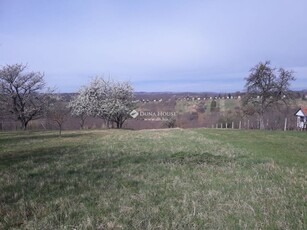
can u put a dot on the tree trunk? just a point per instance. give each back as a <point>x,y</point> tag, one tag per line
<point>261,122</point>
<point>82,123</point>
<point>24,124</point>
<point>60,129</point>
<point>108,123</point>
<point>119,123</point>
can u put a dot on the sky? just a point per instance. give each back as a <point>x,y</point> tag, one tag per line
<point>157,45</point>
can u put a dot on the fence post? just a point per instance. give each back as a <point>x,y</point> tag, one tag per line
<point>240,124</point>
<point>221,125</point>
<point>226,125</point>
<point>285,126</point>
<point>247,124</point>
<point>216,126</point>
<point>232,125</point>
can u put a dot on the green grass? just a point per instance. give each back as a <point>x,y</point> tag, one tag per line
<point>153,179</point>
<point>286,148</point>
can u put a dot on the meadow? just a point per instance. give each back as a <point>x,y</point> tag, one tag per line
<point>153,179</point>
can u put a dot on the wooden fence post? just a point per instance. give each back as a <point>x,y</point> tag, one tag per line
<point>240,124</point>
<point>285,126</point>
<point>232,125</point>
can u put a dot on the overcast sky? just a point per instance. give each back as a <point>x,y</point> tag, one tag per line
<point>207,45</point>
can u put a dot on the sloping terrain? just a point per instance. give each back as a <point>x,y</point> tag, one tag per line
<point>153,179</point>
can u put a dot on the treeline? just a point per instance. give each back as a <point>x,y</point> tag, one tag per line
<point>24,97</point>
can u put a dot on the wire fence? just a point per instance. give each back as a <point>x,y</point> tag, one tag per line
<point>32,125</point>
<point>273,124</point>
<point>286,124</point>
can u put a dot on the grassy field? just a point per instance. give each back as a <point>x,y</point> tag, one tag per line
<point>153,179</point>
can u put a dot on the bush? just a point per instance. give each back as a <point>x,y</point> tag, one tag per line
<point>170,122</point>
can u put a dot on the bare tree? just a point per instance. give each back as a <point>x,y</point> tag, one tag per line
<point>264,89</point>
<point>58,111</point>
<point>21,93</point>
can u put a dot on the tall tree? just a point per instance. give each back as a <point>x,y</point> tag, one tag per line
<point>21,93</point>
<point>265,88</point>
